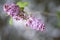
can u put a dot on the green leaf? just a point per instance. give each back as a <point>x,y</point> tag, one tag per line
<point>58,14</point>
<point>58,18</point>
<point>22,8</point>
<point>10,21</point>
<point>58,24</point>
<point>22,4</point>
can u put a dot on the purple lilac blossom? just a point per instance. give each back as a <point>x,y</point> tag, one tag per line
<point>11,9</point>
<point>35,23</point>
<point>14,11</point>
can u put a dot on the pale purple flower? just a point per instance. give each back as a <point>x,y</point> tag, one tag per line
<point>35,23</point>
<point>14,11</point>
<point>11,9</point>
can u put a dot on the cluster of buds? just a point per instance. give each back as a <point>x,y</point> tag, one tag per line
<point>15,12</point>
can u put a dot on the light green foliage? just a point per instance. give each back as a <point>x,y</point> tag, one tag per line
<point>10,21</point>
<point>58,17</point>
<point>22,4</point>
<point>58,14</point>
<point>58,24</point>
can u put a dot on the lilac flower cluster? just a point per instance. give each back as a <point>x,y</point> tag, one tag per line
<point>35,23</point>
<point>11,9</point>
<point>14,11</point>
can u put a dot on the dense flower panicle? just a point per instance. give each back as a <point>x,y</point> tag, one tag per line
<point>14,11</point>
<point>35,23</point>
<point>11,9</point>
